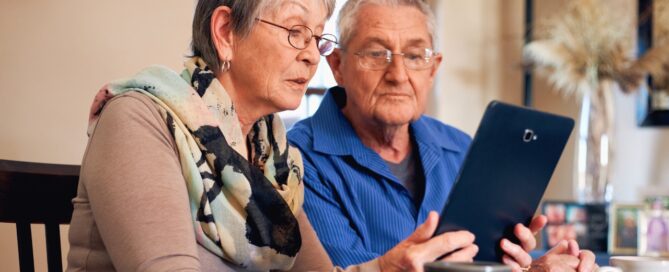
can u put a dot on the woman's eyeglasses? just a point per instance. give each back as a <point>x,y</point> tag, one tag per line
<point>299,37</point>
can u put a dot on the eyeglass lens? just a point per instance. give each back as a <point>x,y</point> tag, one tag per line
<point>300,36</point>
<point>415,59</point>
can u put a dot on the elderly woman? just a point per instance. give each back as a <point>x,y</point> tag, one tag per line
<point>192,171</point>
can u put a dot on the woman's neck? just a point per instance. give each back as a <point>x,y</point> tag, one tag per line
<point>247,110</point>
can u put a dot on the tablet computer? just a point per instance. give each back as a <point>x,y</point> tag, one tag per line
<point>504,175</point>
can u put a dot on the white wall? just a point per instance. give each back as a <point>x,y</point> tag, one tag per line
<point>480,41</point>
<point>54,56</point>
<point>641,162</point>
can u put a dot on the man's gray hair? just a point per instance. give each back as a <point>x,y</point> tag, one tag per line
<point>348,16</point>
<point>244,13</point>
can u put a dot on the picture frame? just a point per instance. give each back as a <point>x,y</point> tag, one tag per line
<point>654,227</point>
<point>556,228</point>
<point>585,223</point>
<point>624,228</point>
<point>653,234</point>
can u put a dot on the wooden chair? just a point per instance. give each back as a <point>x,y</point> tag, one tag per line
<point>37,193</point>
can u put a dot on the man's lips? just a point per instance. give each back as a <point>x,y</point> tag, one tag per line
<point>396,95</point>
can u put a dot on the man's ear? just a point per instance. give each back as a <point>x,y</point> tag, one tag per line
<point>435,66</point>
<point>221,32</point>
<point>334,60</point>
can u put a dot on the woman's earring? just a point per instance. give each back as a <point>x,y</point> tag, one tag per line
<point>225,65</point>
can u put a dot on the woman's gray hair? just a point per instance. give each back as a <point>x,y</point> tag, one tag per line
<point>348,16</point>
<point>244,13</point>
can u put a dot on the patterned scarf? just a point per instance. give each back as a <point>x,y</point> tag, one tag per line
<point>242,211</point>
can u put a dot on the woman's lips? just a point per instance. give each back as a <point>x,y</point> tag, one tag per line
<point>299,82</point>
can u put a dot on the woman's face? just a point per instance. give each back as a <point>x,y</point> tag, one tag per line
<point>267,72</point>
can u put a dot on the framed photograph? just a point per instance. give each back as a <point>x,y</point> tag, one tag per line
<point>624,228</point>
<point>654,228</point>
<point>654,233</point>
<point>557,228</point>
<point>585,223</point>
<point>556,212</point>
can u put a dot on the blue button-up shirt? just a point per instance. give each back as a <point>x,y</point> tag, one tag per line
<point>358,208</point>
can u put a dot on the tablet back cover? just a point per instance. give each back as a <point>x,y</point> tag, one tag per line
<point>504,175</point>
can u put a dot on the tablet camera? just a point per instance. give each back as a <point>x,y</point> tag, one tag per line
<point>529,136</point>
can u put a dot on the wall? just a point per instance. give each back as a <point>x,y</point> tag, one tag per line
<point>480,41</point>
<point>54,56</point>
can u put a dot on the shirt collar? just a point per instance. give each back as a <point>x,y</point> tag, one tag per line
<point>425,131</point>
<point>333,133</point>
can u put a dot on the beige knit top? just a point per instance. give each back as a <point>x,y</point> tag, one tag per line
<point>131,212</point>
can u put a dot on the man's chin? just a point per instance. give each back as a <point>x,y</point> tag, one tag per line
<point>393,120</point>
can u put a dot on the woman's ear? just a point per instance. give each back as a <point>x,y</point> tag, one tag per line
<point>221,32</point>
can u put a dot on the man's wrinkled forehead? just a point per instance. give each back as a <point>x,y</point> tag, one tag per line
<point>382,24</point>
<point>409,39</point>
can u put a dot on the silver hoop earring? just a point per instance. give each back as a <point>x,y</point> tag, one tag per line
<point>225,65</point>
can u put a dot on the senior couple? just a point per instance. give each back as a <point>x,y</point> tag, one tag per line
<point>193,171</point>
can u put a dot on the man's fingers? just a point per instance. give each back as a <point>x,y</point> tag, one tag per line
<point>525,236</point>
<point>574,249</point>
<point>538,223</point>
<point>561,260</point>
<point>514,265</point>
<point>425,231</point>
<point>560,248</point>
<point>465,254</point>
<point>587,263</point>
<point>446,243</point>
<point>570,260</point>
<point>563,252</point>
<point>515,252</point>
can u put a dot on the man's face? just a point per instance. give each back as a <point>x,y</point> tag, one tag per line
<point>394,95</point>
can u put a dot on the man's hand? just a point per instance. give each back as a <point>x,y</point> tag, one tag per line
<point>420,248</point>
<point>565,257</point>
<point>518,256</point>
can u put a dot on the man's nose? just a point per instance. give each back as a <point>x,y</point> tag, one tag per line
<point>396,70</point>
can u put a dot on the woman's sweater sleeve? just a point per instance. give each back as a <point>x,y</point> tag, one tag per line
<point>137,193</point>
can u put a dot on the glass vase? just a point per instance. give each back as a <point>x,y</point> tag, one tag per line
<point>594,146</point>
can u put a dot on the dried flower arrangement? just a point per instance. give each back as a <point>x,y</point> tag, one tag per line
<point>656,61</point>
<point>583,46</point>
<point>588,44</point>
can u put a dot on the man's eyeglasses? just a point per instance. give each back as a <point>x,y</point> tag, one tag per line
<point>299,37</point>
<point>414,59</point>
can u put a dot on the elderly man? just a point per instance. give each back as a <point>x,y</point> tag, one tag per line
<point>375,166</point>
